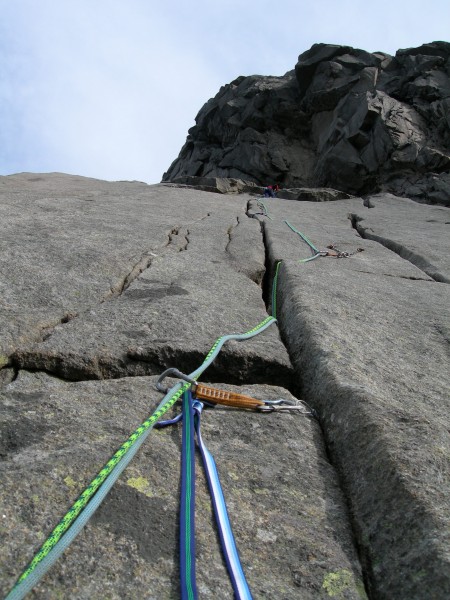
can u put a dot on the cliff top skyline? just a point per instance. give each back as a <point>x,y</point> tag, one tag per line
<point>110,91</point>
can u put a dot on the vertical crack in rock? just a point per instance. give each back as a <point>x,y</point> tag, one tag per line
<point>143,263</point>
<point>245,249</point>
<point>267,282</point>
<point>186,237</point>
<point>174,239</point>
<point>415,259</point>
<point>366,431</point>
<point>230,230</point>
<point>269,263</point>
<point>297,389</point>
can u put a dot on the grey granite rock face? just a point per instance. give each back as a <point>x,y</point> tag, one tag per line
<point>419,234</point>
<point>345,119</point>
<point>134,282</point>
<point>369,338</point>
<point>283,496</point>
<point>117,281</point>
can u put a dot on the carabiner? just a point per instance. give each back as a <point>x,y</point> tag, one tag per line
<point>283,405</point>
<point>175,373</point>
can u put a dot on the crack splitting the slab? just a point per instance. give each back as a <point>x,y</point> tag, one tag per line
<point>145,262</point>
<point>415,259</point>
<point>230,230</point>
<point>142,264</point>
<point>298,392</point>
<point>267,280</point>
<point>133,363</point>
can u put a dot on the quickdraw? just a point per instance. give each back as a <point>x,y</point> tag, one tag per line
<point>333,251</point>
<point>190,416</point>
<point>91,498</point>
<point>214,396</point>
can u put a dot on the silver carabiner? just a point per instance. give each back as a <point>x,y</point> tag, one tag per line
<point>284,405</point>
<point>175,373</point>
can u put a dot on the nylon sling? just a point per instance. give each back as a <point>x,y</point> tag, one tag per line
<point>191,417</point>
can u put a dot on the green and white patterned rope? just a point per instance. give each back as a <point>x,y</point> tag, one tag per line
<point>89,500</point>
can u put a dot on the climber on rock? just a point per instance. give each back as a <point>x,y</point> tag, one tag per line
<point>271,190</point>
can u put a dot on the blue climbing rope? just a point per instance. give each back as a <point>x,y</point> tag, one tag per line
<point>187,503</point>
<point>191,413</point>
<point>228,544</point>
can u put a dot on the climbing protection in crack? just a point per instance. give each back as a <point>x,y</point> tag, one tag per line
<point>91,498</point>
<point>79,514</point>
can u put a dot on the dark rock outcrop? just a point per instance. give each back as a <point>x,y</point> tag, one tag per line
<point>345,119</point>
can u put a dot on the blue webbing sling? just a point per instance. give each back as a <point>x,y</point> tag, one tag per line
<point>191,423</point>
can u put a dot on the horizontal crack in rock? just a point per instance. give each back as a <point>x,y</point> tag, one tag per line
<point>227,368</point>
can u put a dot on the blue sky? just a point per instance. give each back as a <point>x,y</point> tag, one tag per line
<point>108,88</point>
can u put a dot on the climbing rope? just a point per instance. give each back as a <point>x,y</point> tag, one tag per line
<point>190,416</point>
<point>263,209</point>
<point>274,290</point>
<point>187,508</point>
<point>228,544</point>
<point>331,250</point>
<point>213,396</point>
<point>315,251</point>
<point>90,499</point>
